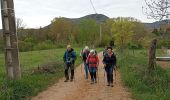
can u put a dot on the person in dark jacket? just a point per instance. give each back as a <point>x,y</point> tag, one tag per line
<point>85,54</point>
<point>69,60</point>
<point>109,62</point>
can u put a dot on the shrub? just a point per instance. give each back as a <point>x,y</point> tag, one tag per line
<point>44,45</point>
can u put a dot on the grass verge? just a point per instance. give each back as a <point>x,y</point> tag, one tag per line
<point>142,84</point>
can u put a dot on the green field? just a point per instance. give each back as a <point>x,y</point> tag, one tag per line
<point>31,84</point>
<point>142,84</point>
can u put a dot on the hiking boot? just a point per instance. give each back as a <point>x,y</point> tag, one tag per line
<point>111,85</point>
<point>108,84</point>
<point>71,80</point>
<point>95,81</point>
<point>92,82</point>
<point>87,77</point>
<point>66,80</point>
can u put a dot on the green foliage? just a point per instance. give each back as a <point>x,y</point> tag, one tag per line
<point>134,46</point>
<point>60,31</point>
<point>144,86</point>
<point>48,44</point>
<point>156,32</point>
<point>163,42</point>
<point>25,46</point>
<point>88,32</point>
<point>122,32</point>
<point>140,36</point>
<point>15,90</point>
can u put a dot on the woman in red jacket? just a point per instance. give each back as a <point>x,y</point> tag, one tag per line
<point>93,63</point>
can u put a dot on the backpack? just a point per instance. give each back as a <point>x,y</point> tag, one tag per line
<point>92,60</point>
<point>104,52</point>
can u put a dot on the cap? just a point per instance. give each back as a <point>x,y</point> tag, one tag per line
<point>92,51</point>
<point>86,47</point>
<point>68,46</point>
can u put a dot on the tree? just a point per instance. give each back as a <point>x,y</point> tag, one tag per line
<point>122,32</point>
<point>157,9</point>
<point>60,30</point>
<point>140,34</point>
<point>88,32</point>
<point>107,38</point>
<point>20,24</point>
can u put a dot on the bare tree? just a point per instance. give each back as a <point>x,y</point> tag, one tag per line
<point>20,24</point>
<point>157,9</point>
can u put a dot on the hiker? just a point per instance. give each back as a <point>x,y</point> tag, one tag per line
<point>105,51</point>
<point>69,60</point>
<point>85,54</point>
<point>93,63</point>
<point>109,62</point>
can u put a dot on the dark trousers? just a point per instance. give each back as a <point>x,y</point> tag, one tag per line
<point>86,68</point>
<point>67,67</point>
<point>92,71</point>
<point>109,72</point>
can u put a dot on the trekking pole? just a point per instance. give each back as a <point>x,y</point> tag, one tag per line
<point>81,67</point>
<point>104,75</point>
<point>115,73</point>
<point>98,75</point>
<point>74,72</point>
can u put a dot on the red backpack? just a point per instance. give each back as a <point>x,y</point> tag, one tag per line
<point>92,60</point>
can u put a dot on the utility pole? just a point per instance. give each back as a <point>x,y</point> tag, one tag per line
<point>10,40</point>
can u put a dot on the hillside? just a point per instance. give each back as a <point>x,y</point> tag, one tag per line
<point>97,17</point>
<point>156,24</point>
<point>101,18</point>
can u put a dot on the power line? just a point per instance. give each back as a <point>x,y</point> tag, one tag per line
<point>93,7</point>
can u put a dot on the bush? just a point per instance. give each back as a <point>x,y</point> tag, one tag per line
<point>163,42</point>
<point>15,90</point>
<point>25,46</point>
<point>134,46</point>
<point>44,45</point>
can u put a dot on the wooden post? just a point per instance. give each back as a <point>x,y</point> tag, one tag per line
<point>152,58</point>
<point>10,40</point>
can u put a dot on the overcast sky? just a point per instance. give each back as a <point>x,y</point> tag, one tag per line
<point>36,13</point>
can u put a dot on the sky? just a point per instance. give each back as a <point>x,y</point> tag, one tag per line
<point>39,13</point>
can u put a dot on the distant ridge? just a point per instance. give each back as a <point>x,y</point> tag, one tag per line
<point>97,17</point>
<point>102,18</point>
<point>156,24</point>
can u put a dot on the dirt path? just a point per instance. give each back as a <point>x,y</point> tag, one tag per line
<point>81,89</point>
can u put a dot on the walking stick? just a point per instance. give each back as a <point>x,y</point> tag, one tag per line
<point>98,75</point>
<point>81,67</point>
<point>104,75</point>
<point>115,73</point>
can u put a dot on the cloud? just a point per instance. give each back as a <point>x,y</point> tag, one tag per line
<point>40,13</point>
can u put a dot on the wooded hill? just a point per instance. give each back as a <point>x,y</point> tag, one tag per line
<point>86,31</point>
